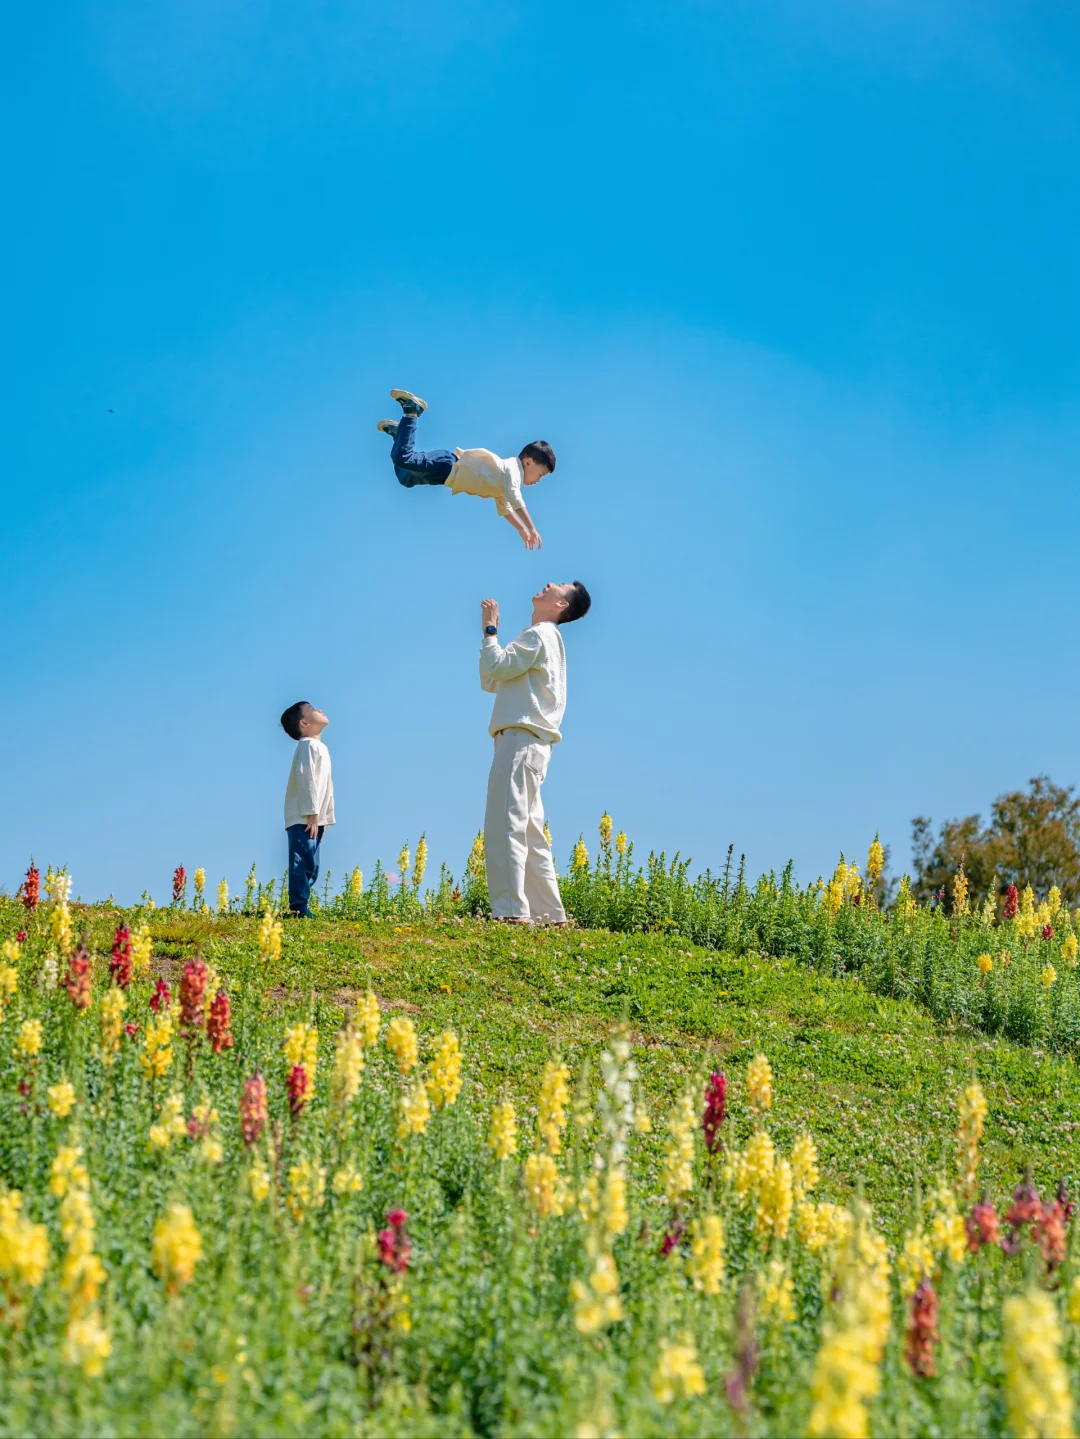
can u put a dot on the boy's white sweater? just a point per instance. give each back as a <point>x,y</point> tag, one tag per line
<point>311,786</point>
<point>479,472</point>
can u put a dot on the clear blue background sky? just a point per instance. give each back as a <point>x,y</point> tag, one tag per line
<point>792,289</point>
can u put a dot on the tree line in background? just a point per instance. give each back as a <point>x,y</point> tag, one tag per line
<point>1032,839</point>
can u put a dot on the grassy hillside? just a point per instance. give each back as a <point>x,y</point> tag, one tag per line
<point>242,1288</point>
<point>875,1079</point>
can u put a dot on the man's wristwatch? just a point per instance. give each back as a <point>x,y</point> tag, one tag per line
<point>491,629</point>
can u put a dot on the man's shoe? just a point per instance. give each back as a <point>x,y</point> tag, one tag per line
<point>388,427</point>
<point>410,404</point>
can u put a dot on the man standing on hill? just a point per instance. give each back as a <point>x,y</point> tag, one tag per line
<point>528,680</point>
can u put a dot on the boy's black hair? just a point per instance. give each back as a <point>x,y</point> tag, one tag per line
<point>290,720</point>
<point>580,600</point>
<point>541,452</point>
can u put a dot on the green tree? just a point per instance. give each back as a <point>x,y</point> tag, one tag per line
<point>1033,838</point>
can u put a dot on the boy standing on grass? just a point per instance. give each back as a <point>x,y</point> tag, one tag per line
<point>468,472</point>
<point>309,800</point>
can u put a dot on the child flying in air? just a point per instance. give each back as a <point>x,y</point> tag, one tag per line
<point>468,472</point>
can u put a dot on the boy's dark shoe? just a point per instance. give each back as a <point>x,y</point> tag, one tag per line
<point>388,427</point>
<point>410,404</point>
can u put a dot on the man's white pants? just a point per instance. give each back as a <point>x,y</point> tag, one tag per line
<point>520,873</point>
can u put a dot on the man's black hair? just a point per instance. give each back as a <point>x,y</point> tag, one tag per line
<point>579,602</point>
<point>290,720</point>
<point>541,452</point>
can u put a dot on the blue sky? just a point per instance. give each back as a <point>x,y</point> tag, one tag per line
<point>791,289</point>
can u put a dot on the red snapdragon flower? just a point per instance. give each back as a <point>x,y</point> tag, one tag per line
<point>1048,931</point>
<point>1026,1206</point>
<point>179,879</point>
<point>120,963</point>
<point>217,1023</point>
<point>715,1110</point>
<point>31,888</point>
<point>1051,1233</point>
<point>395,1247</point>
<point>982,1226</point>
<point>299,1087</point>
<point>20,938</point>
<point>1047,1223</point>
<point>674,1237</point>
<point>253,1108</point>
<point>922,1332</point>
<point>193,994</point>
<point>77,982</point>
<point>1012,902</point>
<point>161,997</point>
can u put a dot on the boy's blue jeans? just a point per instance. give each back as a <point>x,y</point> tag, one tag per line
<point>303,865</point>
<point>418,467</point>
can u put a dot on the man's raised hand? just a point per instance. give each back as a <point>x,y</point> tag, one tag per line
<point>489,613</point>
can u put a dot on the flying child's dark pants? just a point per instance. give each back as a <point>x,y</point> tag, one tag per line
<point>418,467</point>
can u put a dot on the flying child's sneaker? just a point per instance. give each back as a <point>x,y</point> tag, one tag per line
<point>388,427</point>
<point>410,404</point>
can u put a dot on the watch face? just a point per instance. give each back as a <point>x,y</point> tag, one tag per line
<point>491,629</point>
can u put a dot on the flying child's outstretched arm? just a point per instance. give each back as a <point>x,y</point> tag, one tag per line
<point>522,522</point>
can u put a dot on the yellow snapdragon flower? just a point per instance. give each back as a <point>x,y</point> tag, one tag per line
<point>502,1136</point>
<point>804,1164</point>
<point>706,1263</point>
<point>29,1038</point>
<point>414,1110</point>
<point>545,1188</point>
<point>444,1072</point>
<point>346,1180</point>
<point>678,1172</point>
<point>776,1293</point>
<point>61,1098</point>
<point>401,1041</point>
<point>368,1018</point>
<point>142,949</point>
<point>348,1067</point>
<point>307,1188</point>
<point>677,1370</point>
<point>301,1046</point>
<point>596,1301</point>
<point>554,1097</point>
<point>759,1083</point>
<point>176,1248</point>
<point>1037,1393</point>
<point>268,937</point>
<point>24,1246</point>
<point>156,1055</point>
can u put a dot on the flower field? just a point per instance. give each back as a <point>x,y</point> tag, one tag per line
<point>397,1170</point>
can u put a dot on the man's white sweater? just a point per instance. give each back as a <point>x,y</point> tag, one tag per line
<point>528,680</point>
